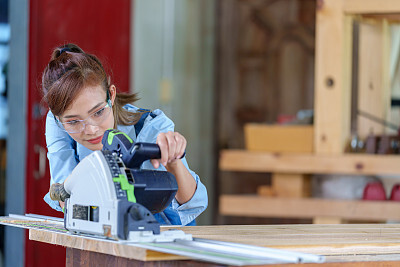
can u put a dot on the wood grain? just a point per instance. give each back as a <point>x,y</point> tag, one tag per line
<point>81,258</point>
<point>341,239</point>
<point>349,239</point>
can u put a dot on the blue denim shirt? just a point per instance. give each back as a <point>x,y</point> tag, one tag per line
<point>64,154</point>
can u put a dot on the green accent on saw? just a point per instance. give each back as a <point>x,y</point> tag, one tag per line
<point>125,185</point>
<point>209,253</point>
<point>111,135</point>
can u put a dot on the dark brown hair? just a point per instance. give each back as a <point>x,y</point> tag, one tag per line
<point>69,71</point>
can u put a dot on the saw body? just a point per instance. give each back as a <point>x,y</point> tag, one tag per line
<point>104,197</point>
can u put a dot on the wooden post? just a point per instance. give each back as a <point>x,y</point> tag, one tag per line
<point>332,78</point>
<point>373,73</point>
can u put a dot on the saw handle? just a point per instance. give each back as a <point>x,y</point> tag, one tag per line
<point>149,150</point>
<point>141,152</point>
<point>132,154</point>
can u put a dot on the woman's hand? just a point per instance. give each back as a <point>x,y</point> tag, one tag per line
<point>172,146</point>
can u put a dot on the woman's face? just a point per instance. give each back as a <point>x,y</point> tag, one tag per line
<point>88,106</point>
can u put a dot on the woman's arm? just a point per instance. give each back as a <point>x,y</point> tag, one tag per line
<point>61,153</point>
<point>191,199</point>
<point>173,146</point>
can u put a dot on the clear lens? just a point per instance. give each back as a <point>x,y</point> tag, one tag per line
<point>95,119</point>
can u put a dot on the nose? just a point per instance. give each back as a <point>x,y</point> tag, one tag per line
<point>90,129</point>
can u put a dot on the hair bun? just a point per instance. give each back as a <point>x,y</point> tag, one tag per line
<point>66,48</point>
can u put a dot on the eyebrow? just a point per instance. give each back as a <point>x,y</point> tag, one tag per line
<point>90,111</point>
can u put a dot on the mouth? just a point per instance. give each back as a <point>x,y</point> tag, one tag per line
<point>96,140</point>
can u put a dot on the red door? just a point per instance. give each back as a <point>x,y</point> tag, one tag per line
<point>101,27</point>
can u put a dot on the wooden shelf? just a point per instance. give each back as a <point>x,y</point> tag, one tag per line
<point>371,6</point>
<point>258,206</point>
<point>361,164</point>
<point>332,108</point>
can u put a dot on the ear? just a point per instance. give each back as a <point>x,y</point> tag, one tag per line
<point>113,93</point>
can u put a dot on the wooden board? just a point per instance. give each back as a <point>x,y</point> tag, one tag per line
<point>373,91</point>
<point>291,185</point>
<point>342,239</point>
<point>255,206</point>
<point>279,138</point>
<point>363,164</point>
<point>340,243</point>
<point>371,6</point>
<point>332,78</point>
<point>56,234</point>
<point>316,239</point>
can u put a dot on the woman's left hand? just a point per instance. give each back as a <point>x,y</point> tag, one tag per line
<point>172,146</point>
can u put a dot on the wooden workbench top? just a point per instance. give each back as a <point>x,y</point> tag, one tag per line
<point>340,243</point>
<point>343,245</point>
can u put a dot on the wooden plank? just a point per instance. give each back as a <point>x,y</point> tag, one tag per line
<point>392,17</point>
<point>266,190</point>
<point>98,245</point>
<point>353,239</point>
<point>291,185</point>
<point>364,243</point>
<point>255,206</point>
<point>319,239</point>
<point>371,6</point>
<point>84,258</point>
<point>363,164</point>
<point>332,78</point>
<point>279,138</point>
<point>327,220</point>
<point>81,258</point>
<point>373,92</point>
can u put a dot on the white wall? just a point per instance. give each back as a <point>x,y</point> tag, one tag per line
<point>173,69</point>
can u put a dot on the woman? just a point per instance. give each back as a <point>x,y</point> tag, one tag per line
<point>84,103</point>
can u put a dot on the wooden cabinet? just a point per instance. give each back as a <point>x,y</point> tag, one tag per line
<point>334,63</point>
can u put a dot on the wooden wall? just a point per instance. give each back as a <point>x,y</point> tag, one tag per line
<point>265,68</point>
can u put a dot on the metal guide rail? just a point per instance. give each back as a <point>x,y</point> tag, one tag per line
<point>199,249</point>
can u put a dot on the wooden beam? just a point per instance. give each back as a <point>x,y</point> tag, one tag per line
<point>392,17</point>
<point>371,6</point>
<point>255,206</point>
<point>359,164</point>
<point>373,95</point>
<point>332,78</point>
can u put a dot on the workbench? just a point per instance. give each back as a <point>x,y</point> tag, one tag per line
<point>344,245</point>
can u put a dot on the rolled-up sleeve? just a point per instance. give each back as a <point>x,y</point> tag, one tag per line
<point>190,210</point>
<point>61,153</point>
<point>196,205</point>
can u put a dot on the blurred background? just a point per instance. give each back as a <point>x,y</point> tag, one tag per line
<point>213,66</point>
